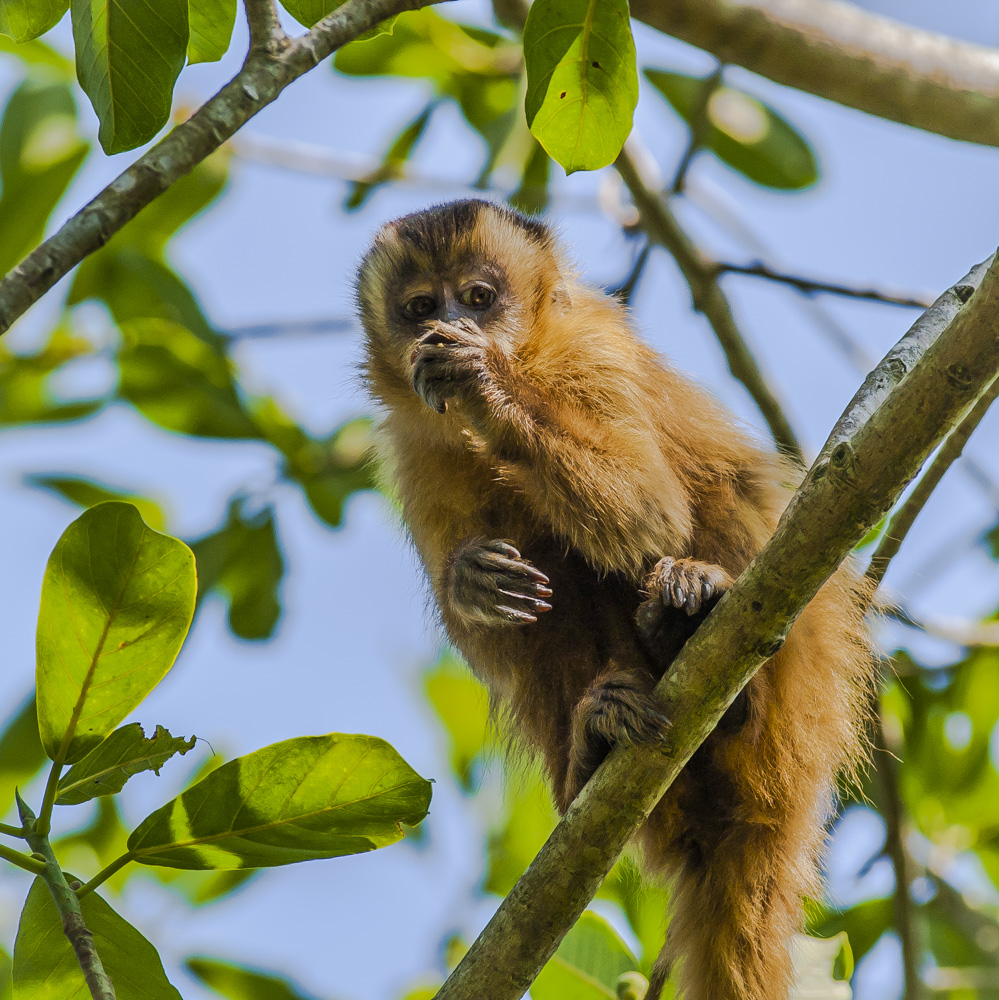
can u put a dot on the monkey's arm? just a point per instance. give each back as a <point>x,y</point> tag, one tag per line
<point>599,480</point>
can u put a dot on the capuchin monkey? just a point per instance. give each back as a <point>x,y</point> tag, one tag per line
<point>580,506</point>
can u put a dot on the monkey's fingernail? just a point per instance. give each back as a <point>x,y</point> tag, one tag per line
<point>441,407</point>
<point>707,590</point>
<point>542,606</point>
<point>543,591</point>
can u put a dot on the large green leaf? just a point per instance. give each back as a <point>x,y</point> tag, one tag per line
<point>125,752</point>
<point>21,753</point>
<point>237,982</point>
<point>23,20</point>
<point>128,56</point>
<point>177,380</point>
<point>87,493</point>
<point>117,601</point>
<point>243,560</point>
<point>211,24</point>
<point>40,154</point>
<point>588,963</point>
<point>582,83</point>
<point>305,798</point>
<point>743,131</point>
<point>45,967</point>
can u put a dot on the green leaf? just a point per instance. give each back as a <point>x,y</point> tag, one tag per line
<point>305,798</point>
<point>177,380</point>
<point>128,56</point>
<point>532,195</point>
<point>117,601</point>
<point>45,967</point>
<point>588,963</point>
<point>125,752</point>
<point>816,961</point>
<point>244,561</point>
<point>582,83</point>
<point>644,903</point>
<point>239,982</point>
<point>6,971</point>
<point>463,706</point>
<point>395,158</point>
<point>40,154</point>
<point>87,493</point>
<point>863,923</point>
<point>744,132</point>
<point>310,12</point>
<point>23,20</point>
<point>21,753</point>
<point>211,24</point>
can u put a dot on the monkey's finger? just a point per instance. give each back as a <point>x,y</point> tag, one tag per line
<point>707,590</point>
<point>515,567</point>
<point>534,603</point>
<point>513,615</point>
<point>503,548</point>
<point>693,603</point>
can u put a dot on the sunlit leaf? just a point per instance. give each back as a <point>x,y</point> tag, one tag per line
<point>463,707</point>
<point>6,971</point>
<point>87,493</point>
<point>743,131</point>
<point>582,83</point>
<point>23,20</point>
<point>239,982</point>
<point>816,962</point>
<point>180,382</point>
<point>21,753</point>
<point>587,964</point>
<point>243,560</point>
<point>211,23</point>
<point>45,967</point>
<point>128,56</point>
<point>125,752</point>
<point>40,154</point>
<point>117,601</point>
<point>323,797</point>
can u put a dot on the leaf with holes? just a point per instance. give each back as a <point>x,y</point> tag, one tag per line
<point>117,601</point>
<point>742,131</point>
<point>128,56</point>
<point>23,20</point>
<point>301,799</point>
<point>45,967</point>
<point>125,752</point>
<point>582,83</point>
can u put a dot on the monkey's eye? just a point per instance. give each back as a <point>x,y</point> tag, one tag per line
<point>478,296</point>
<point>419,307</point>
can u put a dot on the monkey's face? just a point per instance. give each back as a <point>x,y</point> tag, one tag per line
<point>469,262</point>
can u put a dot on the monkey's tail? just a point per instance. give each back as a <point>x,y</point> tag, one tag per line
<point>736,903</point>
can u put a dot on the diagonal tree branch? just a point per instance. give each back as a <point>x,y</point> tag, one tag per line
<point>263,76</point>
<point>918,393</point>
<point>701,275</point>
<point>845,54</point>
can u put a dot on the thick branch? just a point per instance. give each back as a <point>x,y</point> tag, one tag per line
<point>701,275</point>
<point>848,55</point>
<point>262,78</point>
<point>923,388</point>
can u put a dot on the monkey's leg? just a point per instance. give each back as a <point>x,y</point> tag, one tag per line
<point>489,583</point>
<point>617,707</point>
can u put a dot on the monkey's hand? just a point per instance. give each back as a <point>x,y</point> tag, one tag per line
<point>618,707</point>
<point>449,362</point>
<point>490,583</point>
<point>683,584</point>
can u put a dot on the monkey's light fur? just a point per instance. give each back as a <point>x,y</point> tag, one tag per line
<point>565,435</point>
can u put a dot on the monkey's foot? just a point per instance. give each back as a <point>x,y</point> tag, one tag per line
<point>448,361</point>
<point>619,708</point>
<point>684,584</point>
<point>492,584</point>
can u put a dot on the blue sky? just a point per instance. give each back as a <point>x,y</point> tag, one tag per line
<point>894,206</point>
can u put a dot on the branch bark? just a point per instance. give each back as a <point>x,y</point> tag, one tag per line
<point>709,299</point>
<point>915,396</point>
<point>263,76</point>
<point>845,54</point>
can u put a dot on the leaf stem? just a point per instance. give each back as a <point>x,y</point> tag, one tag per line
<point>73,925</point>
<point>12,831</point>
<point>29,864</point>
<point>44,822</point>
<point>104,874</point>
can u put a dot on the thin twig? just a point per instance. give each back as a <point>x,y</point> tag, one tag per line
<point>699,125</point>
<point>626,289</point>
<point>708,299</point>
<point>264,75</point>
<point>964,633</point>
<point>848,55</point>
<point>900,414</point>
<point>812,285</point>
<point>904,517</point>
<point>73,925</point>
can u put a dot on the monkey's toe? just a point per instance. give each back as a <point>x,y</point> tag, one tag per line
<point>685,584</point>
<point>494,585</point>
